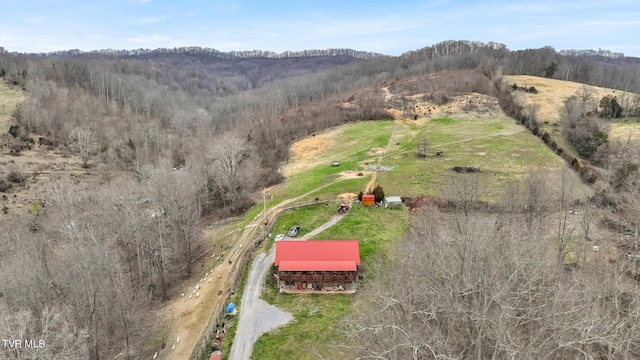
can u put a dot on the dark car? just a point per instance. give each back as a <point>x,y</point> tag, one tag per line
<point>294,230</point>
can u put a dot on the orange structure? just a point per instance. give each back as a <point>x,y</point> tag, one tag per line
<point>368,200</point>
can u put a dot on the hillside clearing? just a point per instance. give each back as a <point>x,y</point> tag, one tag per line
<point>10,97</point>
<point>553,93</point>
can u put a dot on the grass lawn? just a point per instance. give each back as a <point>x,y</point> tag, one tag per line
<point>502,150</point>
<point>341,187</point>
<point>317,316</point>
<point>374,228</point>
<point>308,218</point>
<point>349,144</point>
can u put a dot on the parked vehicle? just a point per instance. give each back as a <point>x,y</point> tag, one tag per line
<point>294,230</point>
<point>343,209</point>
<point>279,237</point>
<point>335,163</point>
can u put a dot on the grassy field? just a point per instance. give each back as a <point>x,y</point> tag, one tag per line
<point>310,164</point>
<point>317,316</point>
<point>551,97</point>
<point>344,186</point>
<point>553,93</point>
<point>626,131</point>
<point>9,99</point>
<point>308,218</point>
<point>502,150</point>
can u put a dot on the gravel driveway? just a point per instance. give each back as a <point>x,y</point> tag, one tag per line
<point>256,315</point>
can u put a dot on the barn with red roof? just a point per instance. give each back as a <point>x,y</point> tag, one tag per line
<point>317,266</point>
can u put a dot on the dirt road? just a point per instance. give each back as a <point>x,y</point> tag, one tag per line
<point>190,320</point>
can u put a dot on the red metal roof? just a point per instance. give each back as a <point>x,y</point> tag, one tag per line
<point>317,265</point>
<point>328,255</point>
<point>368,197</point>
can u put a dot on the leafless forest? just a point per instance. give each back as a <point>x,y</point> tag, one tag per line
<point>186,138</point>
<point>497,283</point>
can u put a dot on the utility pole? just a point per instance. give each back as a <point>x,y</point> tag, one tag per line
<point>264,203</point>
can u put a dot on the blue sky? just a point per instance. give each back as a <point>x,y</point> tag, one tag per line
<point>389,27</point>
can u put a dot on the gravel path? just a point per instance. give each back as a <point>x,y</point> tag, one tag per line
<point>256,315</point>
<point>322,227</point>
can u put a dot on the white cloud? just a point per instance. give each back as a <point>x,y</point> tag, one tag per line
<point>148,39</point>
<point>149,20</point>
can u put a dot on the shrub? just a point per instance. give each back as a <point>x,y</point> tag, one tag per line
<point>360,195</point>
<point>378,193</point>
<point>15,131</point>
<point>35,207</point>
<point>546,138</point>
<point>588,174</point>
<point>575,164</point>
<point>16,177</point>
<point>5,186</point>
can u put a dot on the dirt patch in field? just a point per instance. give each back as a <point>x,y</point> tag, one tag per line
<point>348,197</point>
<point>474,105</point>
<point>313,145</point>
<point>376,151</point>
<point>348,174</point>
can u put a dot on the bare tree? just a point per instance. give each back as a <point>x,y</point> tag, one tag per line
<point>45,335</point>
<point>174,198</point>
<point>82,141</point>
<point>564,230</point>
<point>586,97</point>
<point>424,145</point>
<point>233,167</point>
<point>537,198</point>
<point>531,111</point>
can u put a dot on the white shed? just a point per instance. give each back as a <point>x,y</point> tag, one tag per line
<point>392,201</point>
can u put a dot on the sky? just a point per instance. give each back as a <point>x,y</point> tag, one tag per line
<point>389,27</point>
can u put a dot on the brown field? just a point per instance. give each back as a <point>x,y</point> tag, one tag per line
<point>553,93</point>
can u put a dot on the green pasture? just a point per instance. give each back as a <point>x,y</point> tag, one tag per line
<point>502,150</point>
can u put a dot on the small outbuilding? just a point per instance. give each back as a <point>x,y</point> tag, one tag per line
<point>368,200</point>
<point>392,201</point>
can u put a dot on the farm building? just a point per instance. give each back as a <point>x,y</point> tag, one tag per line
<point>317,266</point>
<point>368,200</point>
<point>392,201</point>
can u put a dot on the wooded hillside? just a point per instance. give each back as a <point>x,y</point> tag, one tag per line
<point>181,139</point>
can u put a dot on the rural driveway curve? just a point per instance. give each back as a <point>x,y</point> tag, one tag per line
<point>256,315</point>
